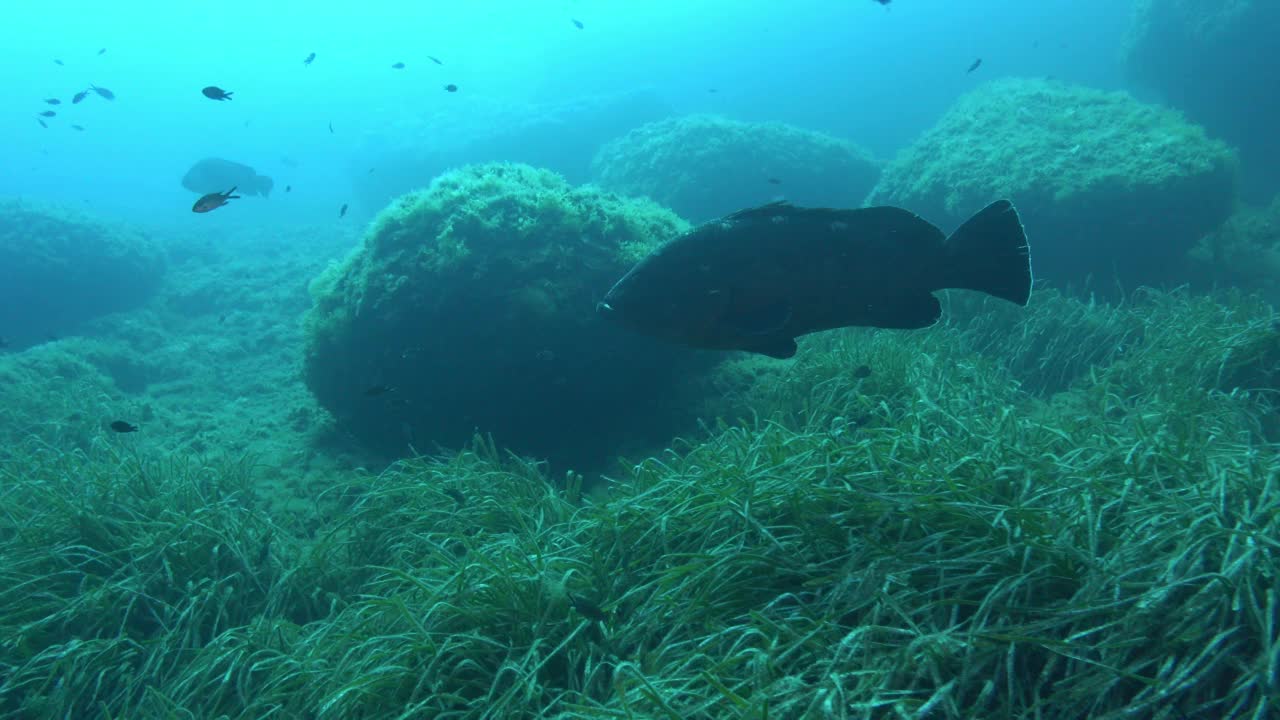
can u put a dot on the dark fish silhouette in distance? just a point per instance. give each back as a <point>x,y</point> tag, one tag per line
<point>309,59</point>
<point>102,92</point>
<point>577,23</point>
<point>75,99</point>
<point>213,92</point>
<point>212,174</point>
<point>397,66</point>
<point>974,66</point>
<point>53,101</point>
<point>121,426</point>
<point>757,279</point>
<point>213,201</point>
<point>48,113</point>
<point>342,212</point>
<point>434,59</point>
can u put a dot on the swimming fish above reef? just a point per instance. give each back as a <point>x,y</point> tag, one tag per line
<point>213,201</point>
<point>757,279</point>
<point>211,174</point>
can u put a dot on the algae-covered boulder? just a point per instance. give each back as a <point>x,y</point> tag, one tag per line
<point>470,307</point>
<point>59,269</point>
<point>1110,189</point>
<point>561,136</point>
<point>1216,61</point>
<point>1245,251</point>
<point>705,166</point>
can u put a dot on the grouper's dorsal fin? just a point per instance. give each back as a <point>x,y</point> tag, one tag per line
<point>777,207</point>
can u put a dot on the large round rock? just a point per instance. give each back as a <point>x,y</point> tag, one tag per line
<point>471,307</point>
<point>1112,191</point>
<point>1216,61</point>
<point>705,166</point>
<point>59,269</point>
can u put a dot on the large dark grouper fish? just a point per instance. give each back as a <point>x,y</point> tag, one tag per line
<point>215,174</point>
<point>757,279</point>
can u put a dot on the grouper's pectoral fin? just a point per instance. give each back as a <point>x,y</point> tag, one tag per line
<point>780,348</point>
<point>904,312</point>
<point>765,319</point>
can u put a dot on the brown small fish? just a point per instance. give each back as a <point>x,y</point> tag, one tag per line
<point>75,99</point>
<point>213,201</point>
<point>213,92</point>
<point>588,609</point>
<point>974,66</point>
<point>48,113</point>
<point>342,212</point>
<point>121,426</point>
<point>103,92</point>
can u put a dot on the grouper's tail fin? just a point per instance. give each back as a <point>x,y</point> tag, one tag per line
<point>989,253</point>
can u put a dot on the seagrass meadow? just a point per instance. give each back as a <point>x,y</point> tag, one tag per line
<point>1067,511</point>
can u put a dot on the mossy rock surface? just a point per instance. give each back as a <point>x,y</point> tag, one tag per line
<point>1109,188</point>
<point>705,166</point>
<point>1216,62</point>
<point>470,307</point>
<point>59,269</point>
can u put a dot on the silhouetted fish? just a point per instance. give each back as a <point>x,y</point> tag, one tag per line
<point>434,59</point>
<point>757,279</point>
<point>48,113</point>
<point>210,174</point>
<point>53,101</point>
<point>103,92</point>
<point>56,61</point>
<point>79,128</point>
<point>43,124</point>
<point>309,59</point>
<point>213,92</point>
<point>376,390</point>
<point>974,66</point>
<point>102,51</point>
<point>342,212</point>
<point>75,99</point>
<point>213,201</point>
<point>577,23</point>
<point>121,426</point>
<point>397,66</point>
<point>451,88</point>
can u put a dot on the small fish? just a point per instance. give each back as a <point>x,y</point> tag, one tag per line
<point>79,128</point>
<point>43,124</point>
<point>774,181</point>
<point>974,66</point>
<point>761,277</point>
<point>309,59</point>
<point>213,201</point>
<point>451,88</point>
<point>577,23</point>
<point>288,188</point>
<point>434,59</point>
<point>213,92</point>
<point>370,171</point>
<point>48,113</point>
<point>103,92</point>
<point>457,496</point>
<point>53,101</point>
<point>75,99</point>
<point>712,90</point>
<point>102,51</point>
<point>342,212</point>
<point>397,66</point>
<point>56,61</point>
<point>121,426</point>
<point>330,128</point>
<point>376,390</point>
<point>862,372</point>
<point>588,609</point>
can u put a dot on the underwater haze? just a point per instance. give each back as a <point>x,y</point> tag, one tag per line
<point>879,73</point>
<point>805,360</point>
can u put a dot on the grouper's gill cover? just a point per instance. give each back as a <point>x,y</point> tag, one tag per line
<point>757,279</point>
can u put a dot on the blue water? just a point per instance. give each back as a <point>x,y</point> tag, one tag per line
<point>878,75</point>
